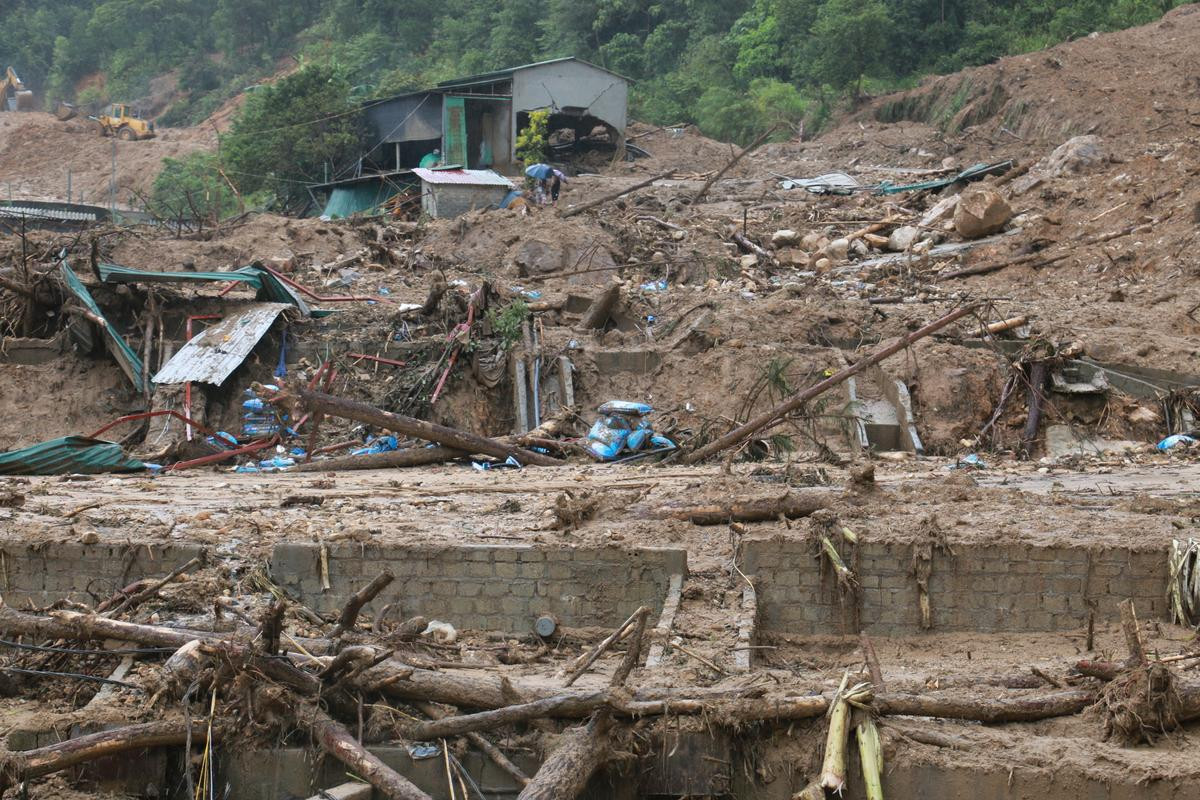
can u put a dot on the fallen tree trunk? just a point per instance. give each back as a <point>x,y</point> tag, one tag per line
<point>790,505</point>
<point>581,664</point>
<point>573,210</point>
<point>1007,709</point>
<point>29,764</point>
<point>568,705</point>
<point>796,401</point>
<point>1038,373</point>
<point>338,742</point>
<point>566,772</point>
<point>732,162</point>
<point>411,426</point>
<point>407,457</point>
<point>359,599</point>
<point>486,747</point>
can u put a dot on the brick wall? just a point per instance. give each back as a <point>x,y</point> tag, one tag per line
<point>49,571</point>
<point>1014,587</point>
<point>487,587</point>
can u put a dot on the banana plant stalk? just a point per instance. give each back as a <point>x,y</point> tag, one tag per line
<point>833,768</point>
<point>870,755</point>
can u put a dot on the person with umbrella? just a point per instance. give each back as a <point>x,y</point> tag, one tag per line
<point>549,181</point>
<point>431,160</point>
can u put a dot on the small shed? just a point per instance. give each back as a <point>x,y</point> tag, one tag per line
<point>450,192</point>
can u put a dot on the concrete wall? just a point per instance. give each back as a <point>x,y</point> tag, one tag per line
<point>1013,587</point>
<point>571,85</point>
<point>487,587</point>
<point>444,201</point>
<point>49,571</point>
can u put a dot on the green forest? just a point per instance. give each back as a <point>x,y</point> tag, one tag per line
<point>734,67</point>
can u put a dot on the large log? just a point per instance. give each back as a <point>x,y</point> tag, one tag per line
<point>411,426</point>
<point>722,512</point>
<point>563,705</point>
<point>563,776</point>
<point>338,742</point>
<point>406,457</point>
<point>573,210</point>
<point>797,401</point>
<point>52,758</point>
<point>1008,709</point>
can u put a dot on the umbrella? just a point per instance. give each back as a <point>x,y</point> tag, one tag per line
<point>539,172</point>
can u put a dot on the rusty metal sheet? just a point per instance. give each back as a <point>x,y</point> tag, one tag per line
<point>213,354</point>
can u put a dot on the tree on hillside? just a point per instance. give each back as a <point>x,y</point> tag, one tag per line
<point>286,134</point>
<point>849,40</point>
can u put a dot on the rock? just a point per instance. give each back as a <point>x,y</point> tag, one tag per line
<point>942,209</point>
<point>860,247</point>
<point>903,238</point>
<point>1075,155</point>
<point>981,211</point>
<point>823,264</point>
<point>792,257</point>
<point>748,260</point>
<point>838,249</point>
<point>1141,414</point>
<point>811,241</point>
<point>659,256</point>
<point>784,238</point>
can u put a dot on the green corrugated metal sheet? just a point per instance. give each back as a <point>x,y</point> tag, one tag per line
<point>359,198</point>
<point>126,358</point>
<point>269,287</point>
<point>68,454</point>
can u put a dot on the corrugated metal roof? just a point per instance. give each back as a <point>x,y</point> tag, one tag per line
<point>466,177</point>
<point>212,355</point>
<point>61,215</point>
<point>77,454</point>
<point>128,360</point>
<point>501,73</point>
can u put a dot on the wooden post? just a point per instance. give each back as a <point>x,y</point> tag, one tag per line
<point>565,773</point>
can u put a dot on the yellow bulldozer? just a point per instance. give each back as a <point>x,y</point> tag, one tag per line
<point>13,94</point>
<point>124,122</point>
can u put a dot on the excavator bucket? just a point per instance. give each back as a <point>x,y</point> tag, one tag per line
<point>24,101</point>
<point>65,111</point>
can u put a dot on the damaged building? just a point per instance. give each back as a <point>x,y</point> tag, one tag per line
<point>474,122</point>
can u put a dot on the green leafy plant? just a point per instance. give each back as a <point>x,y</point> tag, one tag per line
<point>507,322</point>
<point>533,142</point>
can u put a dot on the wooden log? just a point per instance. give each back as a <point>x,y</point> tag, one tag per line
<point>1104,670</point>
<point>29,764</point>
<point>1008,709</point>
<point>339,743</point>
<point>568,705</point>
<point>405,457</point>
<point>359,599</point>
<point>1006,325</point>
<point>1038,373</point>
<point>634,652</point>
<point>792,505</point>
<point>486,747</point>
<point>796,401</point>
<point>1133,635</point>
<point>573,210</point>
<point>748,246</point>
<point>411,426</point>
<point>732,162</point>
<point>601,308</point>
<point>565,773</point>
<point>583,662</point>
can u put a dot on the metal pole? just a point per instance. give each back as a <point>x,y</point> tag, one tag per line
<point>68,184</point>
<point>112,182</point>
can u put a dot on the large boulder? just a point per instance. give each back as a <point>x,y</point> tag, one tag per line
<point>980,211</point>
<point>903,238</point>
<point>1075,155</point>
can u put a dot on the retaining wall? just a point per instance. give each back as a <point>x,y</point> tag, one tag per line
<point>487,587</point>
<point>48,571</point>
<point>974,587</point>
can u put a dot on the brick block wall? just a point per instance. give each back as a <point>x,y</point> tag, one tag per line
<point>48,571</point>
<point>985,588</point>
<point>487,587</point>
